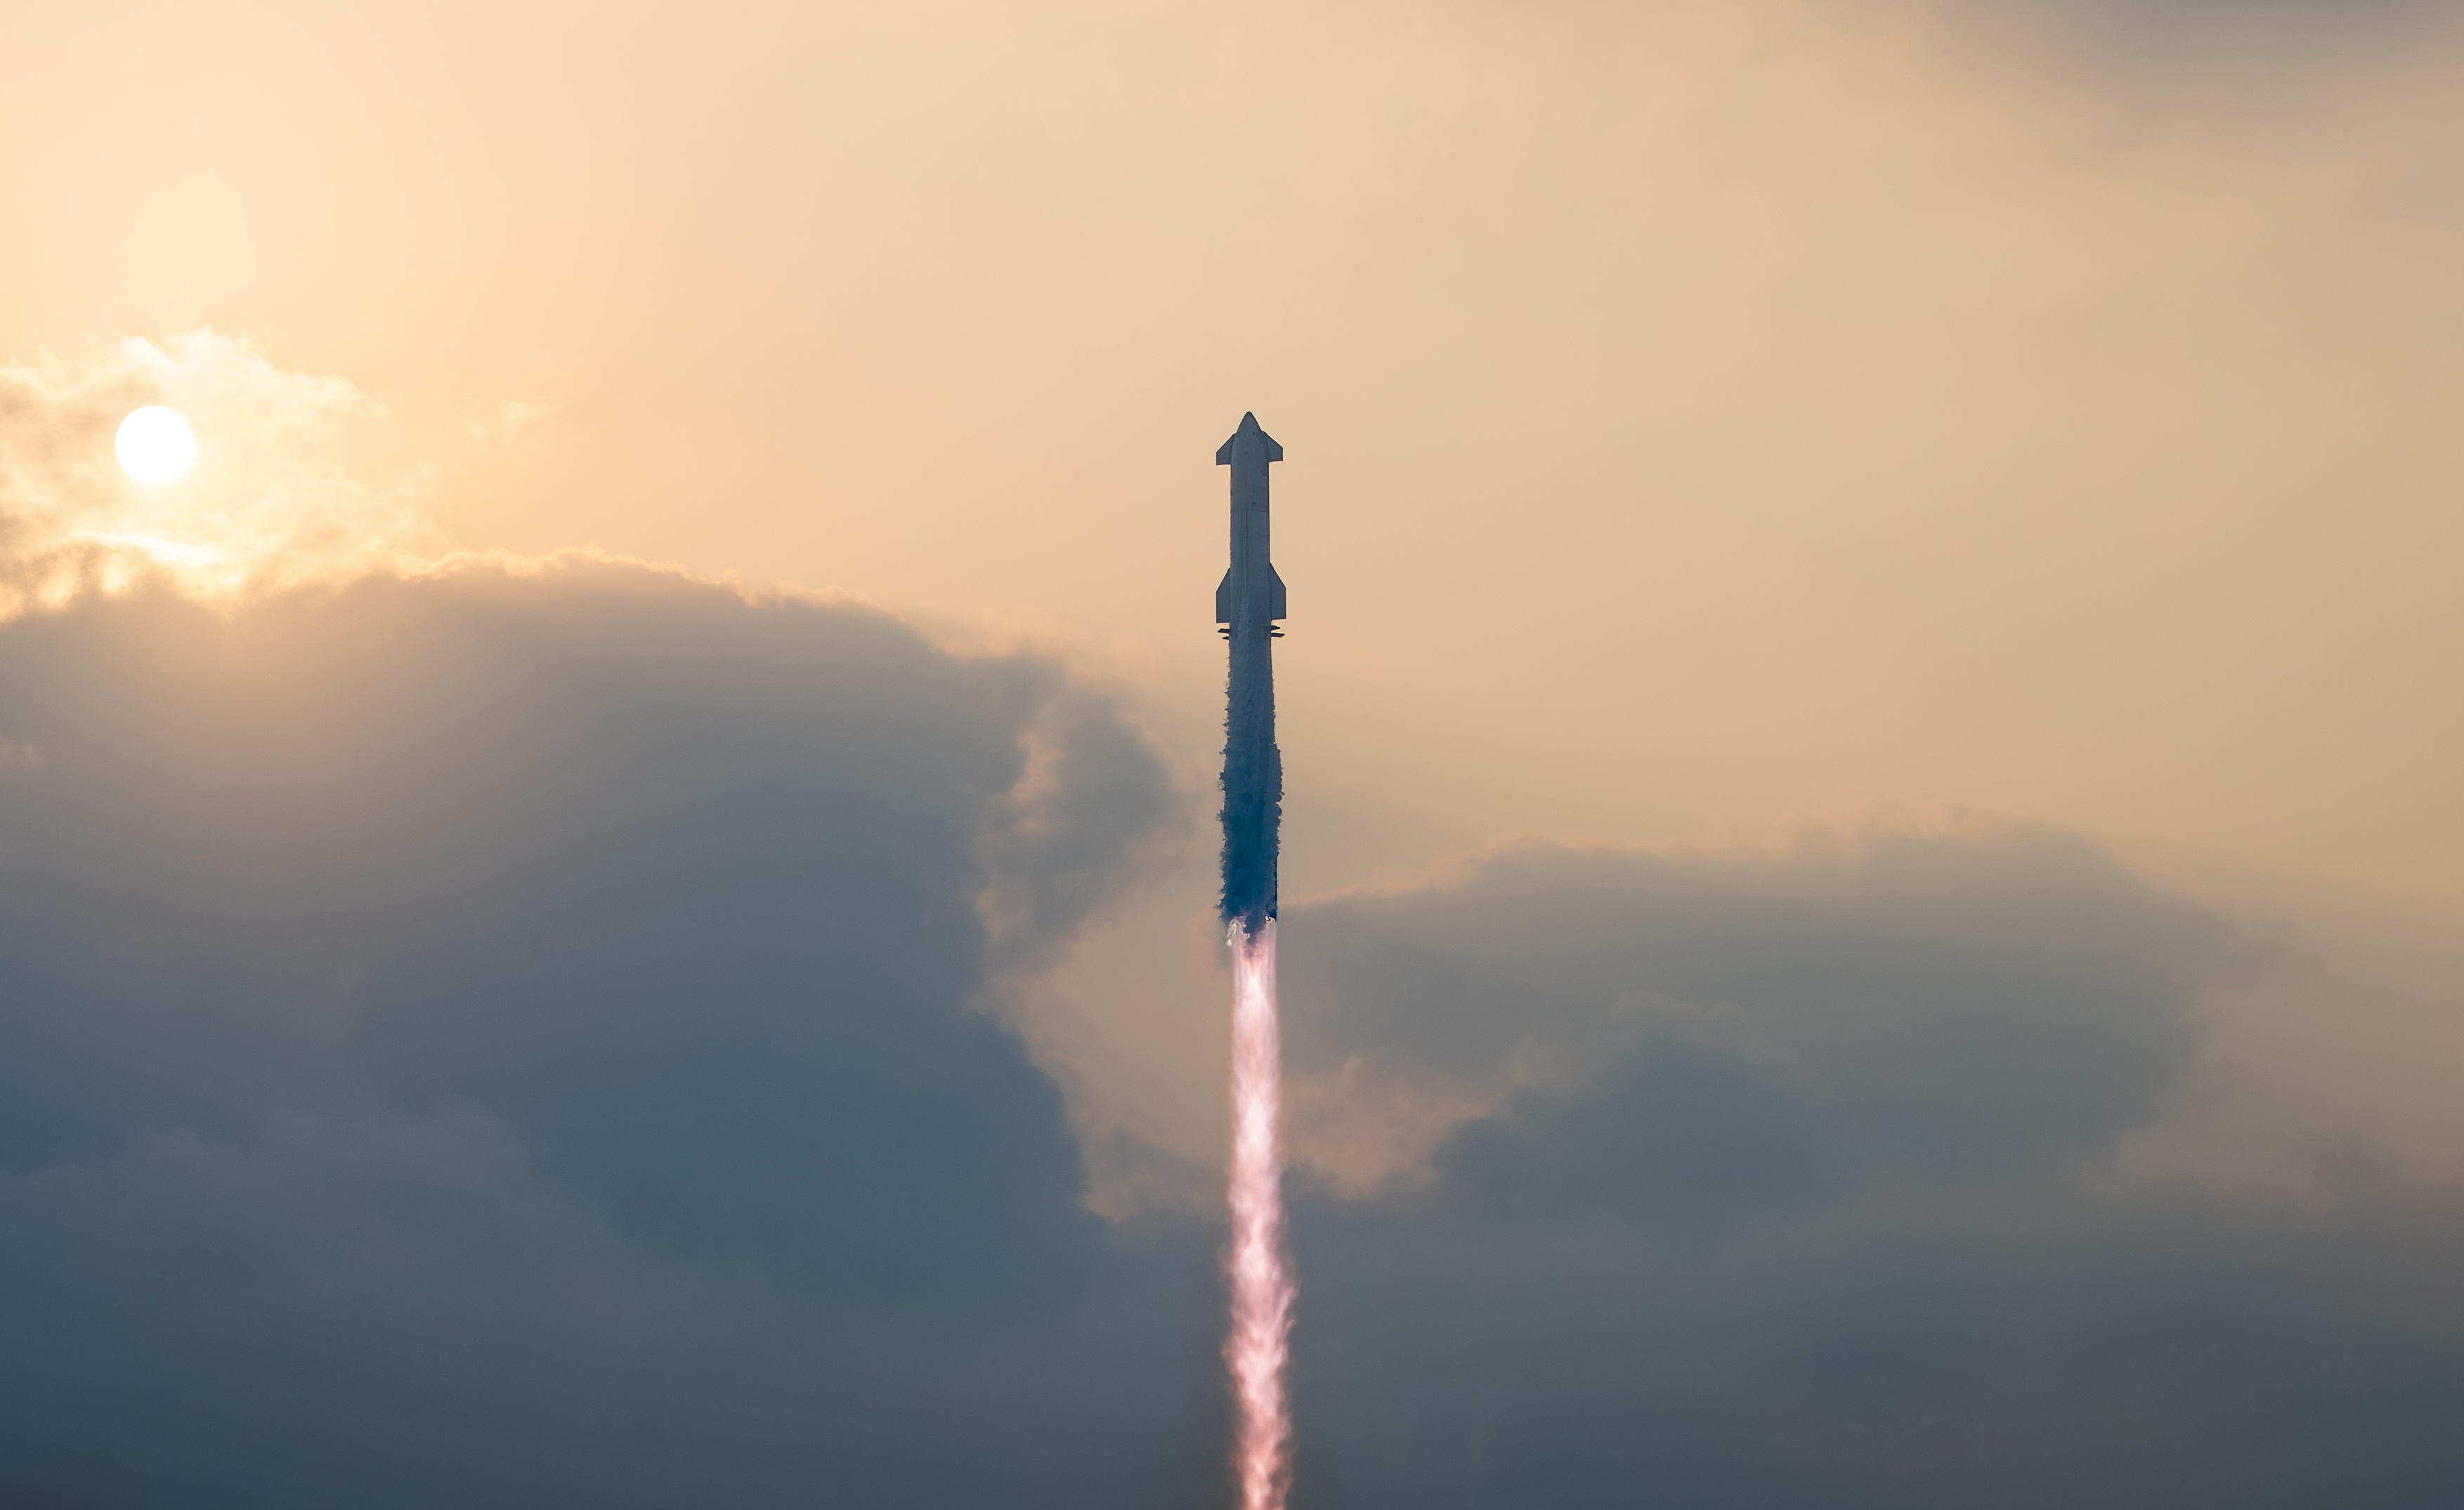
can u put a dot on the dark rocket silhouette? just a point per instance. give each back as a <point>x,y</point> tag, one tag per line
<point>1247,604</point>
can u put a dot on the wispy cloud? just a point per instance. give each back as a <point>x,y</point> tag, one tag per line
<point>271,499</point>
<point>509,419</point>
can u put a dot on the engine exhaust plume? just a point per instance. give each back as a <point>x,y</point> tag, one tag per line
<point>1261,1285</point>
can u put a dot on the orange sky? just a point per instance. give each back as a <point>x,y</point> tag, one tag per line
<point>1694,421</point>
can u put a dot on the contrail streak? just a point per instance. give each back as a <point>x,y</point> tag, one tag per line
<point>1261,1285</point>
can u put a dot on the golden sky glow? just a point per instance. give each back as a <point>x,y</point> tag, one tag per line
<point>1762,410</point>
<point>1698,419</point>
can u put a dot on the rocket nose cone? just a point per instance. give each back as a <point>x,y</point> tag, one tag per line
<point>1252,434</point>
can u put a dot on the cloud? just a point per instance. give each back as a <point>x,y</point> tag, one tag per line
<point>2052,1344</point>
<point>271,500</point>
<point>1797,1179</point>
<point>404,1311</point>
<point>550,1003</point>
<point>510,419</point>
<point>1980,1004</point>
<point>2229,16</point>
<point>2169,41</point>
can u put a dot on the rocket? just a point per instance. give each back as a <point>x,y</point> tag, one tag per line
<point>1251,584</point>
<point>1247,607</point>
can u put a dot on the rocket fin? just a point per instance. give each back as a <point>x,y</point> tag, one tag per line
<point>1223,598</point>
<point>1274,592</point>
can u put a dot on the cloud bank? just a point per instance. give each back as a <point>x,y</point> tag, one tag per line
<point>519,1035</point>
<point>514,1034</point>
<point>1982,1004</point>
<point>1799,1180</point>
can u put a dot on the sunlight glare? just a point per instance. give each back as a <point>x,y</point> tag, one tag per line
<point>156,445</point>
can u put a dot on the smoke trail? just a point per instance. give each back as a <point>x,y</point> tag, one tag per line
<point>1261,1285</point>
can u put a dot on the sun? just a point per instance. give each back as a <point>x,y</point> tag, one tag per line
<point>156,445</point>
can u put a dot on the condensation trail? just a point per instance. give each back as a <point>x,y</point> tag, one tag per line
<point>1261,1282</point>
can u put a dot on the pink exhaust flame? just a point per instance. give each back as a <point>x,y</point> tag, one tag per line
<point>1261,1285</point>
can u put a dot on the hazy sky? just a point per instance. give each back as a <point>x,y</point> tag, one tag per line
<point>2036,406</point>
<point>1875,686</point>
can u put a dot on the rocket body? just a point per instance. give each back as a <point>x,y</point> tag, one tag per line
<point>1246,605</point>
